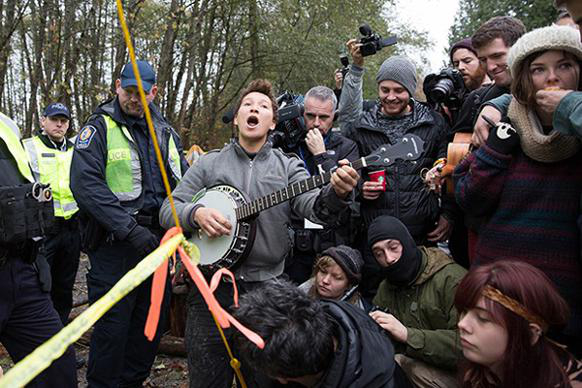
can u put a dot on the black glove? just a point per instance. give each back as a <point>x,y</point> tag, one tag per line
<point>503,138</point>
<point>142,240</point>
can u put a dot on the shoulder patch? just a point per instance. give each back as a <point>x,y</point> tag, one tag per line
<point>85,137</point>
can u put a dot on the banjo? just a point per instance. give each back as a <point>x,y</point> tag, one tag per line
<point>230,250</point>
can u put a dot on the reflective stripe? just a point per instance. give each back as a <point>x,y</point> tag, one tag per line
<point>10,133</point>
<point>70,206</point>
<point>174,159</point>
<point>32,158</point>
<point>52,166</point>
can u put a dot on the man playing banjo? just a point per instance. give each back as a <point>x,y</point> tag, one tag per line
<point>252,166</point>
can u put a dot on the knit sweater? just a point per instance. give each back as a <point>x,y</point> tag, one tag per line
<point>532,209</point>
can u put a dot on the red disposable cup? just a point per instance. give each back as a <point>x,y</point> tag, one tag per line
<point>378,176</point>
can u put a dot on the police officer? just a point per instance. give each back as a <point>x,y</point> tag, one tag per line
<point>320,152</point>
<point>50,155</point>
<point>27,317</point>
<point>118,186</point>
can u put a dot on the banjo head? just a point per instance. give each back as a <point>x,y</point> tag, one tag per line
<point>221,251</point>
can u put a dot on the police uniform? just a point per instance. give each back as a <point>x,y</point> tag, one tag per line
<point>27,317</point>
<point>118,186</point>
<point>51,163</point>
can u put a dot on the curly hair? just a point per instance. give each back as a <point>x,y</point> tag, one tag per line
<point>298,333</point>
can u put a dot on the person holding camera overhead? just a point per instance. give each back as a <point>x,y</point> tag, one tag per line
<point>398,190</point>
<point>320,150</point>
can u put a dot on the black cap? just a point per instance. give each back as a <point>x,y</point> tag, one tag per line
<point>57,109</point>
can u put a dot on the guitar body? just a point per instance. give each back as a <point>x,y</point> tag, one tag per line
<point>456,152</point>
<point>230,250</point>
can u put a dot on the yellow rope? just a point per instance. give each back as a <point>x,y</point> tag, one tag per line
<point>146,110</point>
<point>235,364</point>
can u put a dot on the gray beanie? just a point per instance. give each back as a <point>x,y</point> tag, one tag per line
<point>398,69</point>
<point>349,259</point>
<point>547,38</point>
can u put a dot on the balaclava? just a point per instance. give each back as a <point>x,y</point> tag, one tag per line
<point>406,269</point>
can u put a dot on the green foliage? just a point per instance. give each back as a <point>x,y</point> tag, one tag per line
<point>473,13</point>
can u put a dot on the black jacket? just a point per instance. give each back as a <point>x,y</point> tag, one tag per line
<point>406,196</point>
<point>337,148</point>
<point>471,106</point>
<point>101,211</point>
<point>364,357</point>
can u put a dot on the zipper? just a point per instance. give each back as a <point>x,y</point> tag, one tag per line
<point>396,191</point>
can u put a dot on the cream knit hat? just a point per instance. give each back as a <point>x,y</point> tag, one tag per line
<point>542,39</point>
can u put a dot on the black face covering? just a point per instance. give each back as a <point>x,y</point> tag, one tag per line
<point>406,269</point>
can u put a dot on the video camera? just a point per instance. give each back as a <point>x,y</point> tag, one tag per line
<point>345,61</point>
<point>372,42</point>
<point>290,129</point>
<point>447,87</point>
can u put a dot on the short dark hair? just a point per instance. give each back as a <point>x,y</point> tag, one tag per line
<point>298,333</point>
<point>508,28</point>
<point>260,86</point>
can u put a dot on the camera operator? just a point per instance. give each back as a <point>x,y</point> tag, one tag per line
<point>464,58</point>
<point>395,114</point>
<point>320,152</point>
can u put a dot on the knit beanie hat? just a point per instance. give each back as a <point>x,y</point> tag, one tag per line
<point>406,269</point>
<point>398,69</point>
<point>350,260</point>
<point>464,43</point>
<point>541,39</point>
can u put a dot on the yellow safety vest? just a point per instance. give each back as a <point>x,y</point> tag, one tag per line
<point>10,134</point>
<point>52,166</point>
<point>123,168</point>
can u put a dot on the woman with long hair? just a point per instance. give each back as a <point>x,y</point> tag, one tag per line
<point>527,179</point>
<point>506,310</point>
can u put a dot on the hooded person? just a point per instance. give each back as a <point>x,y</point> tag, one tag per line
<point>415,303</point>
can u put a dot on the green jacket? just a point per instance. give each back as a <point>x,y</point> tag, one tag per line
<point>427,310</point>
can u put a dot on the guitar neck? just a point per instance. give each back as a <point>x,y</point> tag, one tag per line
<point>253,208</point>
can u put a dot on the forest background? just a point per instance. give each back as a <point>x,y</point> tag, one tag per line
<point>204,51</point>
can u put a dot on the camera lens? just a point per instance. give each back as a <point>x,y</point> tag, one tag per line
<point>442,90</point>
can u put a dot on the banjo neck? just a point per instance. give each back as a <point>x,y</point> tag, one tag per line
<point>253,208</point>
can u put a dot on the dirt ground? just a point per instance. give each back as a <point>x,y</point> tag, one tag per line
<point>168,371</point>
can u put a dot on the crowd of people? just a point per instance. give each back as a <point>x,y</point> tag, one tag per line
<point>379,278</point>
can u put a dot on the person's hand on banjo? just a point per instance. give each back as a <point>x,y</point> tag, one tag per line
<point>212,222</point>
<point>344,179</point>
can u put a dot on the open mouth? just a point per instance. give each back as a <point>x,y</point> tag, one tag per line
<point>253,121</point>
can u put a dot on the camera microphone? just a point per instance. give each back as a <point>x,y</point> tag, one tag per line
<point>228,116</point>
<point>365,30</point>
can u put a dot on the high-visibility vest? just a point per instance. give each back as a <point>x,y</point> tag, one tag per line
<point>52,166</point>
<point>123,168</point>
<point>10,134</point>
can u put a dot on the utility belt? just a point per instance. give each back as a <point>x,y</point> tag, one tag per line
<point>26,213</point>
<point>93,234</point>
<point>148,221</point>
